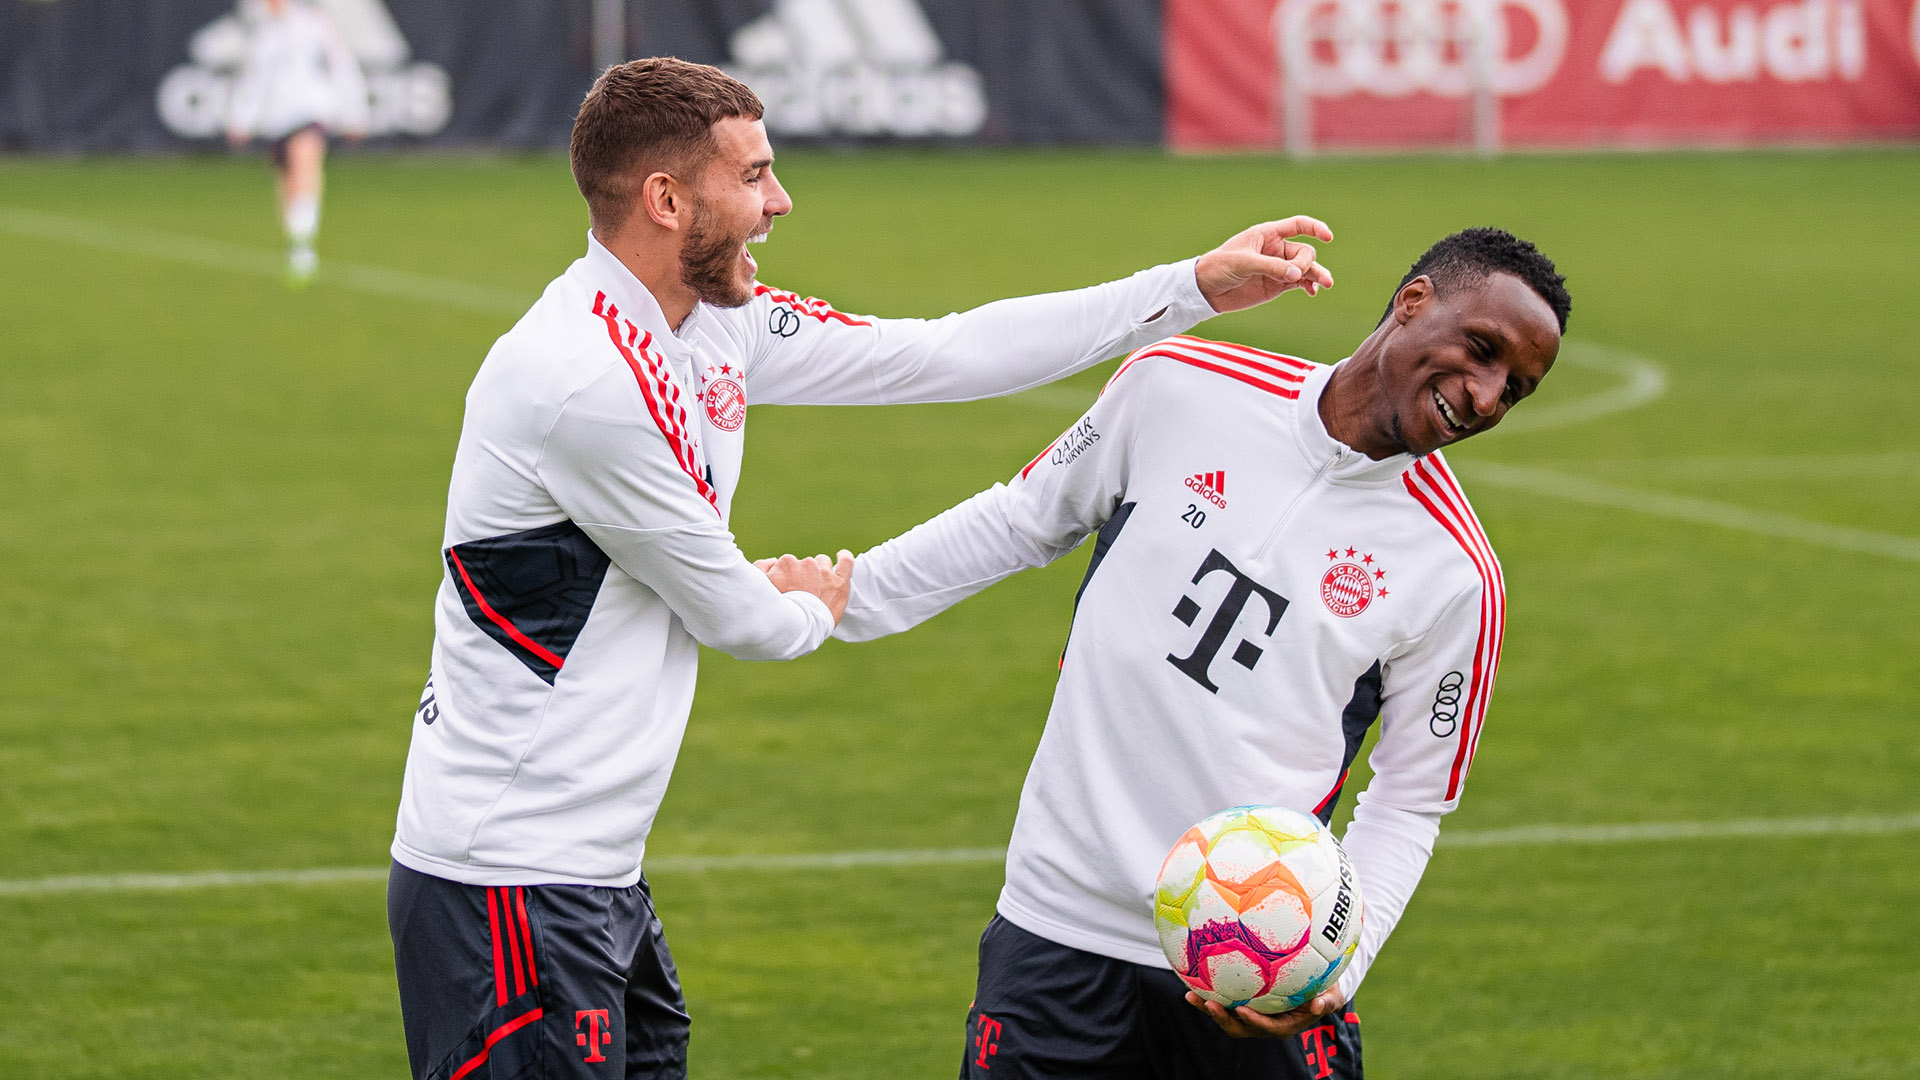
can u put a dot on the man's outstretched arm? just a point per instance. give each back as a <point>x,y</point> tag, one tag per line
<point>1064,494</point>
<point>804,352</point>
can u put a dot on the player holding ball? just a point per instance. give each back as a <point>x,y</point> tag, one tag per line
<point>1281,558</point>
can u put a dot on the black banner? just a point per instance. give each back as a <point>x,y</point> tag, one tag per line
<point>98,75</point>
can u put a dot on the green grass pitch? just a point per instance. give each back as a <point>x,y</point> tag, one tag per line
<point>222,503</point>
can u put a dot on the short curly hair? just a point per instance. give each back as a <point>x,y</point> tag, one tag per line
<point>1470,255</point>
<point>647,116</point>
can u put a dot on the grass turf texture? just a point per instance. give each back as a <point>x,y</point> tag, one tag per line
<point>223,502</point>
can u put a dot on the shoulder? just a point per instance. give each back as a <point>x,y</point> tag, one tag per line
<point>1220,367</point>
<point>1457,537</point>
<point>567,339</point>
<point>774,317</point>
<point>778,304</point>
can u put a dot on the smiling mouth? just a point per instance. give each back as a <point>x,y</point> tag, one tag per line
<point>1446,413</point>
<point>753,266</point>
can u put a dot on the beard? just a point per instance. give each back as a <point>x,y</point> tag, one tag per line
<point>709,263</point>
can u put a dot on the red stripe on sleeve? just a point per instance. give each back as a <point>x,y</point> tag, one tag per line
<point>1496,587</point>
<point>1459,523</point>
<point>1229,372</point>
<point>500,620</point>
<point>1035,461</point>
<point>499,958</point>
<point>676,436</point>
<point>811,305</point>
<point>1238,354</point>
<point>1283,358</point>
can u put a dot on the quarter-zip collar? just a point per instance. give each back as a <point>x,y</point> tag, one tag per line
<point>604,272</point>
<point>1344,464</point>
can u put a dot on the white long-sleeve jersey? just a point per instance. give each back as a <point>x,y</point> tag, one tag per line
<point>1258,594</point>
<point>298,71</point>
<point>587,551</point>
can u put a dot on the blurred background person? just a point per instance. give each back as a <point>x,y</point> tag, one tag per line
<point>299,82</point>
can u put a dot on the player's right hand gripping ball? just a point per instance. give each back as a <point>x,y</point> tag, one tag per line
<point>1258,906</point>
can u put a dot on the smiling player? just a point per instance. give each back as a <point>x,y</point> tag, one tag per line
<point>586,556</point>
<point>1281,559</point>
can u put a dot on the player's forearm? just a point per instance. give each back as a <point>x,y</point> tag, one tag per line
<point>1389,848</point>
<point>937,564</point>
<point>722,600</point>
<point>1012,345</point>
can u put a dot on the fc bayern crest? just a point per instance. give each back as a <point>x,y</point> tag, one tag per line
<point>726,404</point>
<point>1353,581</point>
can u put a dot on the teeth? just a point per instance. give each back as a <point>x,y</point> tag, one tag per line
<point>1446,411</point>
<point>757,238</point>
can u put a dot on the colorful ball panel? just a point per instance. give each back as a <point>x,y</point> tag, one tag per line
<point>1242,901</point>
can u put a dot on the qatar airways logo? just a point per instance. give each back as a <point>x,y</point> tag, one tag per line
<point>404,96</point>
<point>856,67</point>
<point>1797,41</point>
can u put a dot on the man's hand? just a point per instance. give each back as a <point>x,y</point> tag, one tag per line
<point>1261,263</point>
<point>1244,1023</point>
<point>822,577</point>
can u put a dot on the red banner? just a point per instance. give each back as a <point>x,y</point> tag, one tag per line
<point>1540,73</point>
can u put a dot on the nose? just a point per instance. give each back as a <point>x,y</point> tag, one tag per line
<point>778,202</point>
<point>1485,391</point>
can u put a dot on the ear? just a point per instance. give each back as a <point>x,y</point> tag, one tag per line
<point>1412,299</point>
<point>665,200</point>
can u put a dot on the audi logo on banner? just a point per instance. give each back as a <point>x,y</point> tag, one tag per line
<point>1393,48</point>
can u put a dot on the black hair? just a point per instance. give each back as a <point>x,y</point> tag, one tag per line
<point>1470,255</point>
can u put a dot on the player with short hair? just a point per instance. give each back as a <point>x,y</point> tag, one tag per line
<point>587,556</point>
<point>298,82</point>
<point>1281,558</point>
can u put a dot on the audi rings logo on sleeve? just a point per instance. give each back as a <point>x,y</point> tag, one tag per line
<point>1446,705</point>
<point>783,321</point>
<point>1330,48</point>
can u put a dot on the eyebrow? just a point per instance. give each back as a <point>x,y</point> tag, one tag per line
<point>1492,330</point>
<point>762,163</point>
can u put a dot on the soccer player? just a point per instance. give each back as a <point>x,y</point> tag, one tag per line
<point>298,81</point>
<point>1281,558</point>
<point>586,557</point>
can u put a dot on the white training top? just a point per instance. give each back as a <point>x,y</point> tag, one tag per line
<point>587,549</point>
<point>298,71</point>
<point>1257,595</point>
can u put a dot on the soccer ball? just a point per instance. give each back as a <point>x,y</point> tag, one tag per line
<point>1258,906</point>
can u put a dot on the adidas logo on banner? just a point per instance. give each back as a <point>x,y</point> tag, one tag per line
<point>856,67</point>
<point>403,98</point>
<point>1211,486</point>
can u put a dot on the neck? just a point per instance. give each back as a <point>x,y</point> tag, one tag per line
<point>1344,403</point>
<point>655,260</point>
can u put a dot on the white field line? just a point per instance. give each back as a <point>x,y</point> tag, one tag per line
<point>233,258</point>
<point>1888,465</point>
<point>1699,511</point>
<point>1644,381</point>
<point>1517,836</point>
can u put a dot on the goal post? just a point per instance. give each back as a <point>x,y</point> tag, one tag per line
<point>1390,48</point>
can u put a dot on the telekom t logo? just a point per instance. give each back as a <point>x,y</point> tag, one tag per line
<point>1244,588</point>
<point>596,1035</point>
<point>986,1040</point>
<point>1321,1048</point>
